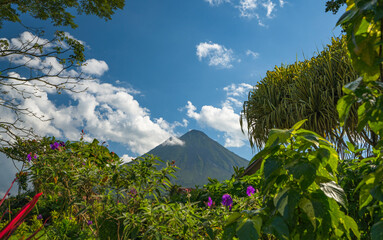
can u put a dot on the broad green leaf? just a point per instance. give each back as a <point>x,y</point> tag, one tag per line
<point>321,205</point>
<point>286,201</point>
<point>364,196</point>
<point>351,224</point>
<point>277,137</point>
<point>344,105</point>
<point>363,115</point>
<point>323,175</point>
<point>350,87</point>
<point>258,223</point>
<point>367,180</point>
<point>347,16</point>
<point>334,191</point>
<point>304,172</point>
<point>350,146</point>
<point>377,231</point>
<point>277,227</point>
<point>233,218</point>
<point>310,136</point>
<point>272,165</point>
<point>247,231</point>
<point>229,231</point>
<point>307,207</point>
<point>298,125</point>
<point>328,157</point>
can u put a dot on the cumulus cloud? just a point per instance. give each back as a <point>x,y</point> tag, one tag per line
<point>225,118</point>
<point>222,119</point>
<point>94,67</point>
<point>104,111</point>
<point>217,55</point>
<point>107,112</point>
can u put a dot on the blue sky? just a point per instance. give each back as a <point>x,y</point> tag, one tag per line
<point>166,67</point>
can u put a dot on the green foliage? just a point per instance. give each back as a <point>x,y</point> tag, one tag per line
<point>363,23</point>
<point>82,181</point>
<point>57,11</point>
<point>306,191</point>
<point>334,5</point>
<point>234,186</point>
<point>303,90</point>
<point>301,195</point>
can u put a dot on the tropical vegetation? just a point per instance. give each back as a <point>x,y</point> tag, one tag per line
<point>323,182</point>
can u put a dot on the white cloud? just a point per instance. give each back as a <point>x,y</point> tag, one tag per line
<point>238,90</point>
<point>216,2</point>
<point>94,67</point>
<point>70,36</point>
<point>224,119</point>
<point>28,40</point>
<point>269,5</point>
<point>217,55</point>
<point>104,111</point>
<point>126,158</point>
<point>258,9</point>
<point>252,54</point>
<point>221,119</point>
<point>232,102</point>
<point>173,141</point>
<point>247,8</point>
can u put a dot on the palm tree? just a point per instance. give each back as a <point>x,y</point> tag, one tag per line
<point>305,90</point>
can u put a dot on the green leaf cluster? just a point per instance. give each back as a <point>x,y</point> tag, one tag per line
<point>57,11</point>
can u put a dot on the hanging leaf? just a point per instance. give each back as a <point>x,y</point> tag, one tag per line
<point>334,191</point>
<point>247,231</point>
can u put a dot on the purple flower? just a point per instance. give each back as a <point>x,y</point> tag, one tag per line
<point>210,202</point>
<point>90,222</point>
<point>55,145</point>
<point>39,217</point>
<point>29,157</point>
<point>133,191</point>
<point>227,201</point>
<point>250,190</point>
<point>62,144</point>
<point>35,156</point>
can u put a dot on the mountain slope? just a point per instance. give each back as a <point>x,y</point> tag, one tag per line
<point>198,158</point>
